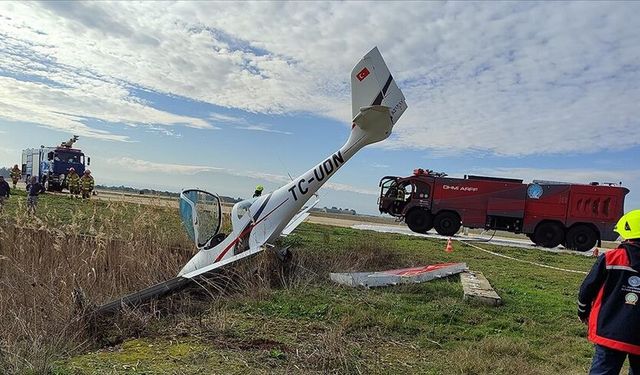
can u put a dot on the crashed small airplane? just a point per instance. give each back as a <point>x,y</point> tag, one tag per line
<point>377,104</point>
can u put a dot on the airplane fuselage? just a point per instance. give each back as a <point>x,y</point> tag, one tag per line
<point>377,103</point>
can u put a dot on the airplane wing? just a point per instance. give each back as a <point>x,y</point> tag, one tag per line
<point>298,219</point>
<point>222,263</point>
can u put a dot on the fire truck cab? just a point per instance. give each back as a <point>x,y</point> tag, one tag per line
<point>577,216</point>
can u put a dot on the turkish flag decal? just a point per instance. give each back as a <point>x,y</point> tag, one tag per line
<point>362,74</point>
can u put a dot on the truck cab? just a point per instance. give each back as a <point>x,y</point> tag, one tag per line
<point>399,195</point>
<point>55,168</point>
<point>409,199</point>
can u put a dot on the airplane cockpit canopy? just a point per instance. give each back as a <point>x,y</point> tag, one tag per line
<point>201,214</point>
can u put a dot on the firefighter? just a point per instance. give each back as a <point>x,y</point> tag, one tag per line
<point>258,191</point>
<point>4,191</point>
<point>73,181</point>
<point>608,302</point>
<point>398,202</point>
<point>400,194</point>
<point>86,184</point>
<point>15,175</point>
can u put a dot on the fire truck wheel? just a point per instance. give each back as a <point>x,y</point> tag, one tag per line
<point>582,238</point>
<point>447,223</point>
<point>419,221</point>
<point>548,235</point>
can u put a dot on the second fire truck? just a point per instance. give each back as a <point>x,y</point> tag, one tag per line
<point>577,216</point>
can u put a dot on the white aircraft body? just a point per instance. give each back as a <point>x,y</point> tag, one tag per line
<point>377,104</point>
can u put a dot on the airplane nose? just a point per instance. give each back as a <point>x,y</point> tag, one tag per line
<point>189,267</point>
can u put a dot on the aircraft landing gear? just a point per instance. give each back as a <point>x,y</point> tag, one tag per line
<point>283,253</point>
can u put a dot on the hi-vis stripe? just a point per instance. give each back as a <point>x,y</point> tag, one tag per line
<point>623,268</point>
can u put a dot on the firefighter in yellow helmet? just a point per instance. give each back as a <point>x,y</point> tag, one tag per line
<point>258,191</point>
<point>86,184</point>
<point>609,302</point>
<point>628,227</point>
<point>15,175</point>
<point>73,181</point>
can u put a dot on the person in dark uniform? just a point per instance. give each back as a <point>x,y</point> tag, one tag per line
<point>34,189</point>
<point>4,191</point>
<point>608,302</point>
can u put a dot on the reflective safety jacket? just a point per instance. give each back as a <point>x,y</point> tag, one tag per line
<point>73,181</point>
<point>609,298</point>
<point>86,182</point>
<point>15,174</point>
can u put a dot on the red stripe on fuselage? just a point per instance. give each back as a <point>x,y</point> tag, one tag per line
<point>249,228</point>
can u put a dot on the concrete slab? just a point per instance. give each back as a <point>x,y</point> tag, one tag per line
<point>476,287</point>
<point>398,276</point>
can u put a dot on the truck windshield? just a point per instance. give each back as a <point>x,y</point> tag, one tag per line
<point>69,157</point>
<point>387,186</point>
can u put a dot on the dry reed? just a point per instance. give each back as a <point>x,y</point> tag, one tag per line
<point>54,268</point>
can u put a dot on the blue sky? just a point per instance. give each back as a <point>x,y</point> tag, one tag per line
<point>224,96</point>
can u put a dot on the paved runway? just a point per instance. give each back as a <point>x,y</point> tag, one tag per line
<point>511,242</point>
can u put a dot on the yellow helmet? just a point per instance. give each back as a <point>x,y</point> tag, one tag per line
<point>629,225</point>
<point>259,188</point>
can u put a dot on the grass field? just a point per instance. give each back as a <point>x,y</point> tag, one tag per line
<point>276,319</point>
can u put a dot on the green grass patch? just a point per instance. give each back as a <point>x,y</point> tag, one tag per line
<point>422,328</point>
<point>311,325</point>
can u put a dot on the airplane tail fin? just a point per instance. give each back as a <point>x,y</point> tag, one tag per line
<point>373,85</point>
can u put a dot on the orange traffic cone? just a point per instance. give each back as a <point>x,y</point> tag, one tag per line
<point>449,248</point>
<point>596,252</point>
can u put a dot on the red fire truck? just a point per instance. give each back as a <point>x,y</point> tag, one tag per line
<point>550,213</point>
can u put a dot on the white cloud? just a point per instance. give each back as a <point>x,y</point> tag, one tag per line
<point>629,178</point>
<point>8,151</point>
<point>67,108</point>
<point>349,188</point>
<point>219,117</point>
<point>261,128</point>
<point>144,166</point>
<point>581,176</point>
<point>505,78</point>
<point>243,124</point>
